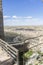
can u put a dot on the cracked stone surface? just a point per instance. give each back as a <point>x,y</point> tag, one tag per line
<point>5,58</point>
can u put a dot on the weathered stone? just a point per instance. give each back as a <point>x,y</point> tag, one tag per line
<point>1,22</point>
<point>5,58</point>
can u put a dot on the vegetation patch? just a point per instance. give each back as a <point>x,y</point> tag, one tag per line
<point>27,54</point>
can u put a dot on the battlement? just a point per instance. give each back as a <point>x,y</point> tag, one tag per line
<point>8,53</point>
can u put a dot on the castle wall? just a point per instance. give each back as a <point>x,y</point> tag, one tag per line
<point>1,21</point>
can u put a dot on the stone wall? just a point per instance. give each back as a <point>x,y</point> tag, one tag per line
<point>1,21</point>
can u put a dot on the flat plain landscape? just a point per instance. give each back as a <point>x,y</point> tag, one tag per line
<point>28,31</point>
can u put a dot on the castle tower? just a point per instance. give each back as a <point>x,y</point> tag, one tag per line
<point>1,22</point>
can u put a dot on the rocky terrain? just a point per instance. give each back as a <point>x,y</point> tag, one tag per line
<point>35,57</point>
<point>33,35</point>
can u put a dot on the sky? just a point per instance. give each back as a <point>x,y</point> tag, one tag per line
<point>22,12</point>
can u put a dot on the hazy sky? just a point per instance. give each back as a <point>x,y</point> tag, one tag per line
<point>23,12</point>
